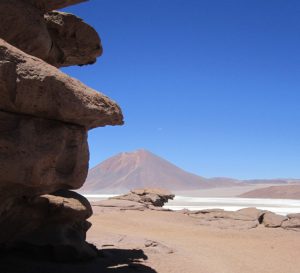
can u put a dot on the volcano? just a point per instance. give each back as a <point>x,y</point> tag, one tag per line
<point>143,169</point>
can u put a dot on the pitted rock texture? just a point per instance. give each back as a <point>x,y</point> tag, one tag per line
<point>39,156</point>
<point>59,38</point>
<point>23,26</point>
<point>78,42</point>
<point>32,87</point>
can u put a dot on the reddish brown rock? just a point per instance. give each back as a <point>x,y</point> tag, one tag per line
<point>23,26</point>
<point>292,224</point>
<point>141,168</point>
<point>140,199</point>
<point>119,204</point>
<point>294,215</point>
<point>32,87</point>
<point>149,197</point>
<point>57,222</point>
<point>78,42</point>
<point>273,220</point>
<point>249,214</point>
<point>44,118</point>
<point>247,218</point>
<point>39,156</point>
<point>58,38</point>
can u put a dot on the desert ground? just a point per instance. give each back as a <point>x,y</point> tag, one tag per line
<point>172,242</point>
<point>135,233</point>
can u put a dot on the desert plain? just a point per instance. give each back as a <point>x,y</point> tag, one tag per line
<point>173,242</point>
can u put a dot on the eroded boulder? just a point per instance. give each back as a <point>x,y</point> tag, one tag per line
<point>293,215</point>
<point>273,220</point>
<point>32,87</point>
<point>246,218</point>
<point>78,42</point>
<point>292,222</point>
<point>23,26</point>
<point>139,199</point>
<point>39,156</point>
<point>58,38</point>
<point>154,197</point>
<point>56,221</point>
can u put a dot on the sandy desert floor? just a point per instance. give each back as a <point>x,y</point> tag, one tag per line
<point>172,242</point>
<point>153,241</point>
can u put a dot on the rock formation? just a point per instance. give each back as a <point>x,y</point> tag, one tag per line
<point>58,38</point>
<point>44,119</point>
<point>139,199</point>
<point>243,219</point>
<point>273,220</point>
<point>149,197</point>
<point>247,218</point>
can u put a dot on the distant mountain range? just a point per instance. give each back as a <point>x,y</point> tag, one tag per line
<point>277,192</point>
<point>141,168</point>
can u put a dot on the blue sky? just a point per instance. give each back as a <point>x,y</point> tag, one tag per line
<point>213,86</point>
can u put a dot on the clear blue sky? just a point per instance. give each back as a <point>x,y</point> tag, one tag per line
<point>211,85</point>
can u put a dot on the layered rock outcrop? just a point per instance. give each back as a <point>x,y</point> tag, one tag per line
<point>138,199</point>
<point>149,197</point>
<point>246,218</point>
<point>32,87</point>
<point>242,219</point>
<point>44,119</point>
<point>58,38</point>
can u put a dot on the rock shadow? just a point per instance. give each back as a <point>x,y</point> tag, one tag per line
<point>108,261</point>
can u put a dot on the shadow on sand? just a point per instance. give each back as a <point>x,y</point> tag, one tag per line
<point>108,261</point>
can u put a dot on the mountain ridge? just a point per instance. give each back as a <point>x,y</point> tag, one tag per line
<point>143,169</point>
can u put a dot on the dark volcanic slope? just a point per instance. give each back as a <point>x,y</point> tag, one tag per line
<point>281,192</point>
<point>142,169</point>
